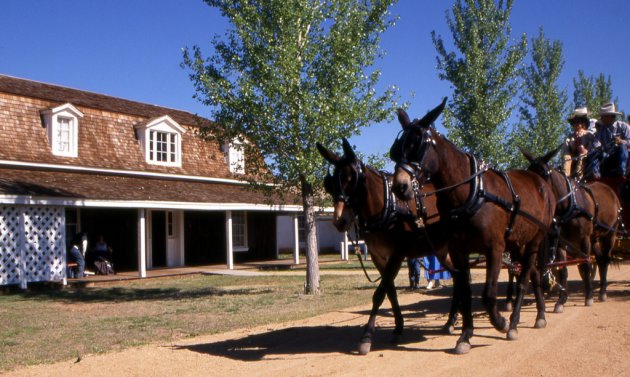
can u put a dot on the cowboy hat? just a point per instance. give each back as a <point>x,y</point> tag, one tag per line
<point>608,109</point>
<point>579,112</point>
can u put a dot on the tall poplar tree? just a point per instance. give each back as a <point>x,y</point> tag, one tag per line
<point>543,105</point>
<point>592,92</point>
<point>288,74</point>
<point>483,71</point>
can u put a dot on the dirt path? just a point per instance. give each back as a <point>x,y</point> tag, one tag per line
<point>583,341</point>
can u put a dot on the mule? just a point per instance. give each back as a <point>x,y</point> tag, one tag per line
<point>589,216</point>
<point>388,227</point>
<point>485,212</point>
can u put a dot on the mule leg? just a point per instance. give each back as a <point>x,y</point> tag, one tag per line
<point>536,278</point>
<point>585,273</point>
<point>386,286</point>
<point>463,295</point>
<point>603,261</point>
<point>563,277</point>
<point>509,299</point>
<point>521,288</point>
<point>449,326</point>
<point>490,289</point>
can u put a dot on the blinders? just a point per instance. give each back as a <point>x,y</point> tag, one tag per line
<point>408,153</point>
<point>333,184</point>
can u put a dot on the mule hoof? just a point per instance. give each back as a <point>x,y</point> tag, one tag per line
<point>512,334</point>
<point>603,297</point>
<point>364,348</point>
<point>506,327</point>
<point>508,306</point>
<point>449,330</point>
<point>396,339</point>
<point>462,348</point>
<point>559,308</point>
<point>588,302</point>
<point>540,323</point>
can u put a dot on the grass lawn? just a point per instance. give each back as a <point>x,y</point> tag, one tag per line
<point>43,326</point>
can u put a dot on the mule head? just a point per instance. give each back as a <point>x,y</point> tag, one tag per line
<point>342,184</point>
<point>540,165</point>
<point>413,151</point>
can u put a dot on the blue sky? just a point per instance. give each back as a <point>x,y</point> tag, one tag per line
<point>132,49</point>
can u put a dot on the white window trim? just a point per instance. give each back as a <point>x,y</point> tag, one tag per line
<point>51,122</point>
<point>235,165</point>
<point>164,124</point>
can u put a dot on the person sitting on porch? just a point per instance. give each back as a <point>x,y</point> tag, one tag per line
<point>614,137</point>
<point>77,255</point>
<point>103,257</point>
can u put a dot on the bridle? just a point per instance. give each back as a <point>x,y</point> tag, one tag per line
<point>334,186</point>
<point>414,166</point>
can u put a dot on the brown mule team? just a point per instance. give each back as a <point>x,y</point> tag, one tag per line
<point>450,205</point>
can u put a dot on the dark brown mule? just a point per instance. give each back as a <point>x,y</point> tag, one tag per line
<point>387,226</point>
<point>589,217</point>
<point>485,213</point>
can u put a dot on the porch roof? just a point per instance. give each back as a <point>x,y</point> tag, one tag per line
<point>32,186</point>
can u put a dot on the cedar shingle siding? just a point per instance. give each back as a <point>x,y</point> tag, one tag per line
<point>106,132</point>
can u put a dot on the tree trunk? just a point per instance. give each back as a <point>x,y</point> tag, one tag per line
<point>312,261</point>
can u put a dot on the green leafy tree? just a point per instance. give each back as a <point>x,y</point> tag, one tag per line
<point>543,105</point>
<point>592,92</point>
<point>483,74</point>
<point>288,74</point>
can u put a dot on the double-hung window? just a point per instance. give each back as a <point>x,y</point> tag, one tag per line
<point>239,231</point>
<point>62,126</point>
<point>163,147</point>
<point>161,139</point>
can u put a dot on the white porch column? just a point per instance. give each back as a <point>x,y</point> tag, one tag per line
<point>228,235</point>
<point>344,251</point>
<point>142,242</point>
<point>296,239</point>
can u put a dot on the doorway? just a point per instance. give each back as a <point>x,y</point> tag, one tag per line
<point>158,239</point>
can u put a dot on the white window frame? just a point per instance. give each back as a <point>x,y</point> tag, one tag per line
<point>236,228</point>
<point>53,119</point>
<point>235,155</point>
<point>172,131</point>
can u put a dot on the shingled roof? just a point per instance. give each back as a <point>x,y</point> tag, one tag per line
<point>61,94</point>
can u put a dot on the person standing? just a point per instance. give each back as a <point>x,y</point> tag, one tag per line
<point>414,272</point>
<point>434,272</point>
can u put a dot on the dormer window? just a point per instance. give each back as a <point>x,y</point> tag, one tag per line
<point>62,127</point>
<point>161,139</point>
<point>235,156</point>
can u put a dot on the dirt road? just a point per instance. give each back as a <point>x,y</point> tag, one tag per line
<point>583,341</point>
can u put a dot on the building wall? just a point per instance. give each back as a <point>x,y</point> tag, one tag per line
<point>327,235</point>
<point>32,244</point>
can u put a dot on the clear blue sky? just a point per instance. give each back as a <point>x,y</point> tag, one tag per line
<point>132,49</point>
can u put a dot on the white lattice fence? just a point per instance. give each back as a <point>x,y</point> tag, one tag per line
<point>32,244</point>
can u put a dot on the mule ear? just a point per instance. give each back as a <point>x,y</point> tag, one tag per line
<point>328,155</point>
<point>347,149</point>
<point>546,158</point>
<point>432,115</point>
<point>527,155</point>
<point>403,118</point>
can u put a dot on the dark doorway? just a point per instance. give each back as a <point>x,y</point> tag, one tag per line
<point>119,228</point>
<point>205,238</point>
<point>158,236</point>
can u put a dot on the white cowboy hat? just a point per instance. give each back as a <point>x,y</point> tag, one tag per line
<point>608,109</point>
<point>579,112</point>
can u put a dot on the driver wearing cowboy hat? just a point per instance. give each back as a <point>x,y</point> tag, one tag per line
<point>577,149</point>
<point>614,137</point>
